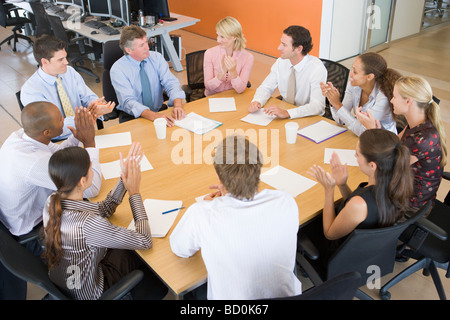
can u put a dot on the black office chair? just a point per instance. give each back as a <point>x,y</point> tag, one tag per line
<point>42,25</point>
<point>30,268</point>
<point>12,287</point>
<point>111,53</point>
<point>195,88</point>
<point>429,245</point>
<point>341,287</point>
<point>7,20</point>
<point>361,249</point>
<point>338,75</point>
<point>76,49</point>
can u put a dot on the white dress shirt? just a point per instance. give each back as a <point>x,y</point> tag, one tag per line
<point>309,73</point>
<point>249,247</point>
<point>25,182</point>
<point>378,104</point>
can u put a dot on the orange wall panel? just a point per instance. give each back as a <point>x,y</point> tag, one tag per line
<point>263,21</point>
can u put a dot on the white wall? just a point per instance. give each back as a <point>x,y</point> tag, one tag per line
<point>407,18</point>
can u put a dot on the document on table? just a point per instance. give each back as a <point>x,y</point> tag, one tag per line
<point>113,140</point>
<point>112,169</point>
<point>197,123</point>
<point>287,180</point>
<point>160,223</point>
<point>321,131</point>
<point>258,117</point>
<point>222,104</point>
<point>346,156</point>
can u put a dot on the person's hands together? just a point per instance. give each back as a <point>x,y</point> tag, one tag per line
<point>220,192</point>
<point>131,169</point>
<point>367,119</point>
<point>338,170</point>
<point>332,94</point>
<point>323,177</point>
<point>85,131</point>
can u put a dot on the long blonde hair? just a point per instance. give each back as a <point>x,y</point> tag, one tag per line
<point>418,89</point>
<point>230,27</point>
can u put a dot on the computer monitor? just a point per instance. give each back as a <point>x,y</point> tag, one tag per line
<point>120,10</point>
<point>74,3</point>
<point>99,8</point>
<point>159,8</point>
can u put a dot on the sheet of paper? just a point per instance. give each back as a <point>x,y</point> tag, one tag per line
<point>160,223</point>
<point>112,170</point>
<point>197,123</point>
<point>222,104</point>
<point>258,117</point>
<point>346,156</point>
<point>113,140</point>
<point>284,179</point>
<point>320,131</point>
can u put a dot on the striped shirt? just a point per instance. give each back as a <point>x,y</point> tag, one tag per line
<point>86,235</point>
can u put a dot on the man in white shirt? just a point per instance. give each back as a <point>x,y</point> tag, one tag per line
<point>307,73</point>
<point>248,239</point>
<point>24,157</point>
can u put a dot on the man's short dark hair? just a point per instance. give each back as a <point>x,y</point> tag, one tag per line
<point>300,37</point>
<point>46,46</point>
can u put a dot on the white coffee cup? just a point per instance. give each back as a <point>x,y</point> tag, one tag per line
<point>160,127</point>
<point>291,132</point>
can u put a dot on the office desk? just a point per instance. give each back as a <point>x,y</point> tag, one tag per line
<point>158,30</point>
<point>172,180</point>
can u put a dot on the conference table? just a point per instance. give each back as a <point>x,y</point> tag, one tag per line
<point>183,170</point>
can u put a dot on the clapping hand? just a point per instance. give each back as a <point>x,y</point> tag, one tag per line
<point>85,131</point>
<point>367,119</point>
<point>332,94</point>
<point>131,168</point>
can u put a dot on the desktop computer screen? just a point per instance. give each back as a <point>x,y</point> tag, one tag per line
<point>120,10</point>
<point>99,8</point>
<point>159,8</point>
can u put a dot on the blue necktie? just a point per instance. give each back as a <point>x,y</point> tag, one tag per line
<point>147,99</point>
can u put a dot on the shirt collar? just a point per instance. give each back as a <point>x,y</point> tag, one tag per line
<point>35,143</point>
<point>299,66</point>
<point>47,77</point>
<point>134,61</point>
<point>74,205</point>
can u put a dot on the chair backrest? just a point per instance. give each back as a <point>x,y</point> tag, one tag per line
<point>58,29</point>
<point>338,75</point>
<point>364,248</point>
<point>194,69</point>
<point>24,265</point>
<point>111,53</point>
<point>3,15</point>
<point>21,106</point>
<point>341,287</point>
<point>41,18</point>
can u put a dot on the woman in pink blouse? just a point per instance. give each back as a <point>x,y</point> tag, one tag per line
<point>228,65</point>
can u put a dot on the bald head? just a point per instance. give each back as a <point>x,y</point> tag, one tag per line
<point>39,116</point>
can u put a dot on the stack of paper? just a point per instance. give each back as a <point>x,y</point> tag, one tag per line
<point>222,104</point>
<point>346,156</point>
<point>112,169</point>
<point>284,179</point>
<point>258,117</point>
<point>113,140</point>
<point>160,223</point>
<point>197,124</point>
<point>321,131</point>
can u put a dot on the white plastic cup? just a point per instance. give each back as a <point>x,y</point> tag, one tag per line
<point>160,127</point>
<point>291,132</point>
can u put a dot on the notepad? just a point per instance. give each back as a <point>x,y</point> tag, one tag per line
<point>284,179</point>
<point>345,155</point>
<point>258,117</point>
<point>197,123</point>
<point>113,140</point>
<point>222,104</point>
<point>160,223</point>
<point>112,169</point>
<point>321,131</point>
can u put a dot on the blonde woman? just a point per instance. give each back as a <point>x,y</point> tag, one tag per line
<point>424,135</point>
<point>227,65</point>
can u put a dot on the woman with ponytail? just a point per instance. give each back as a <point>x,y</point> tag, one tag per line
<point>424,135</point>
<point>369,90</point>
<point>85,253</point>
<point>381,201</point>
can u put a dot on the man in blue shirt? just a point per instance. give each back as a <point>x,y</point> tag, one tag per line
<point>139,69</point>
<point>51,55</point>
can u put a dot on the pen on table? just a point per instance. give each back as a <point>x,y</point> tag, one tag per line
<point>172,210</point>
